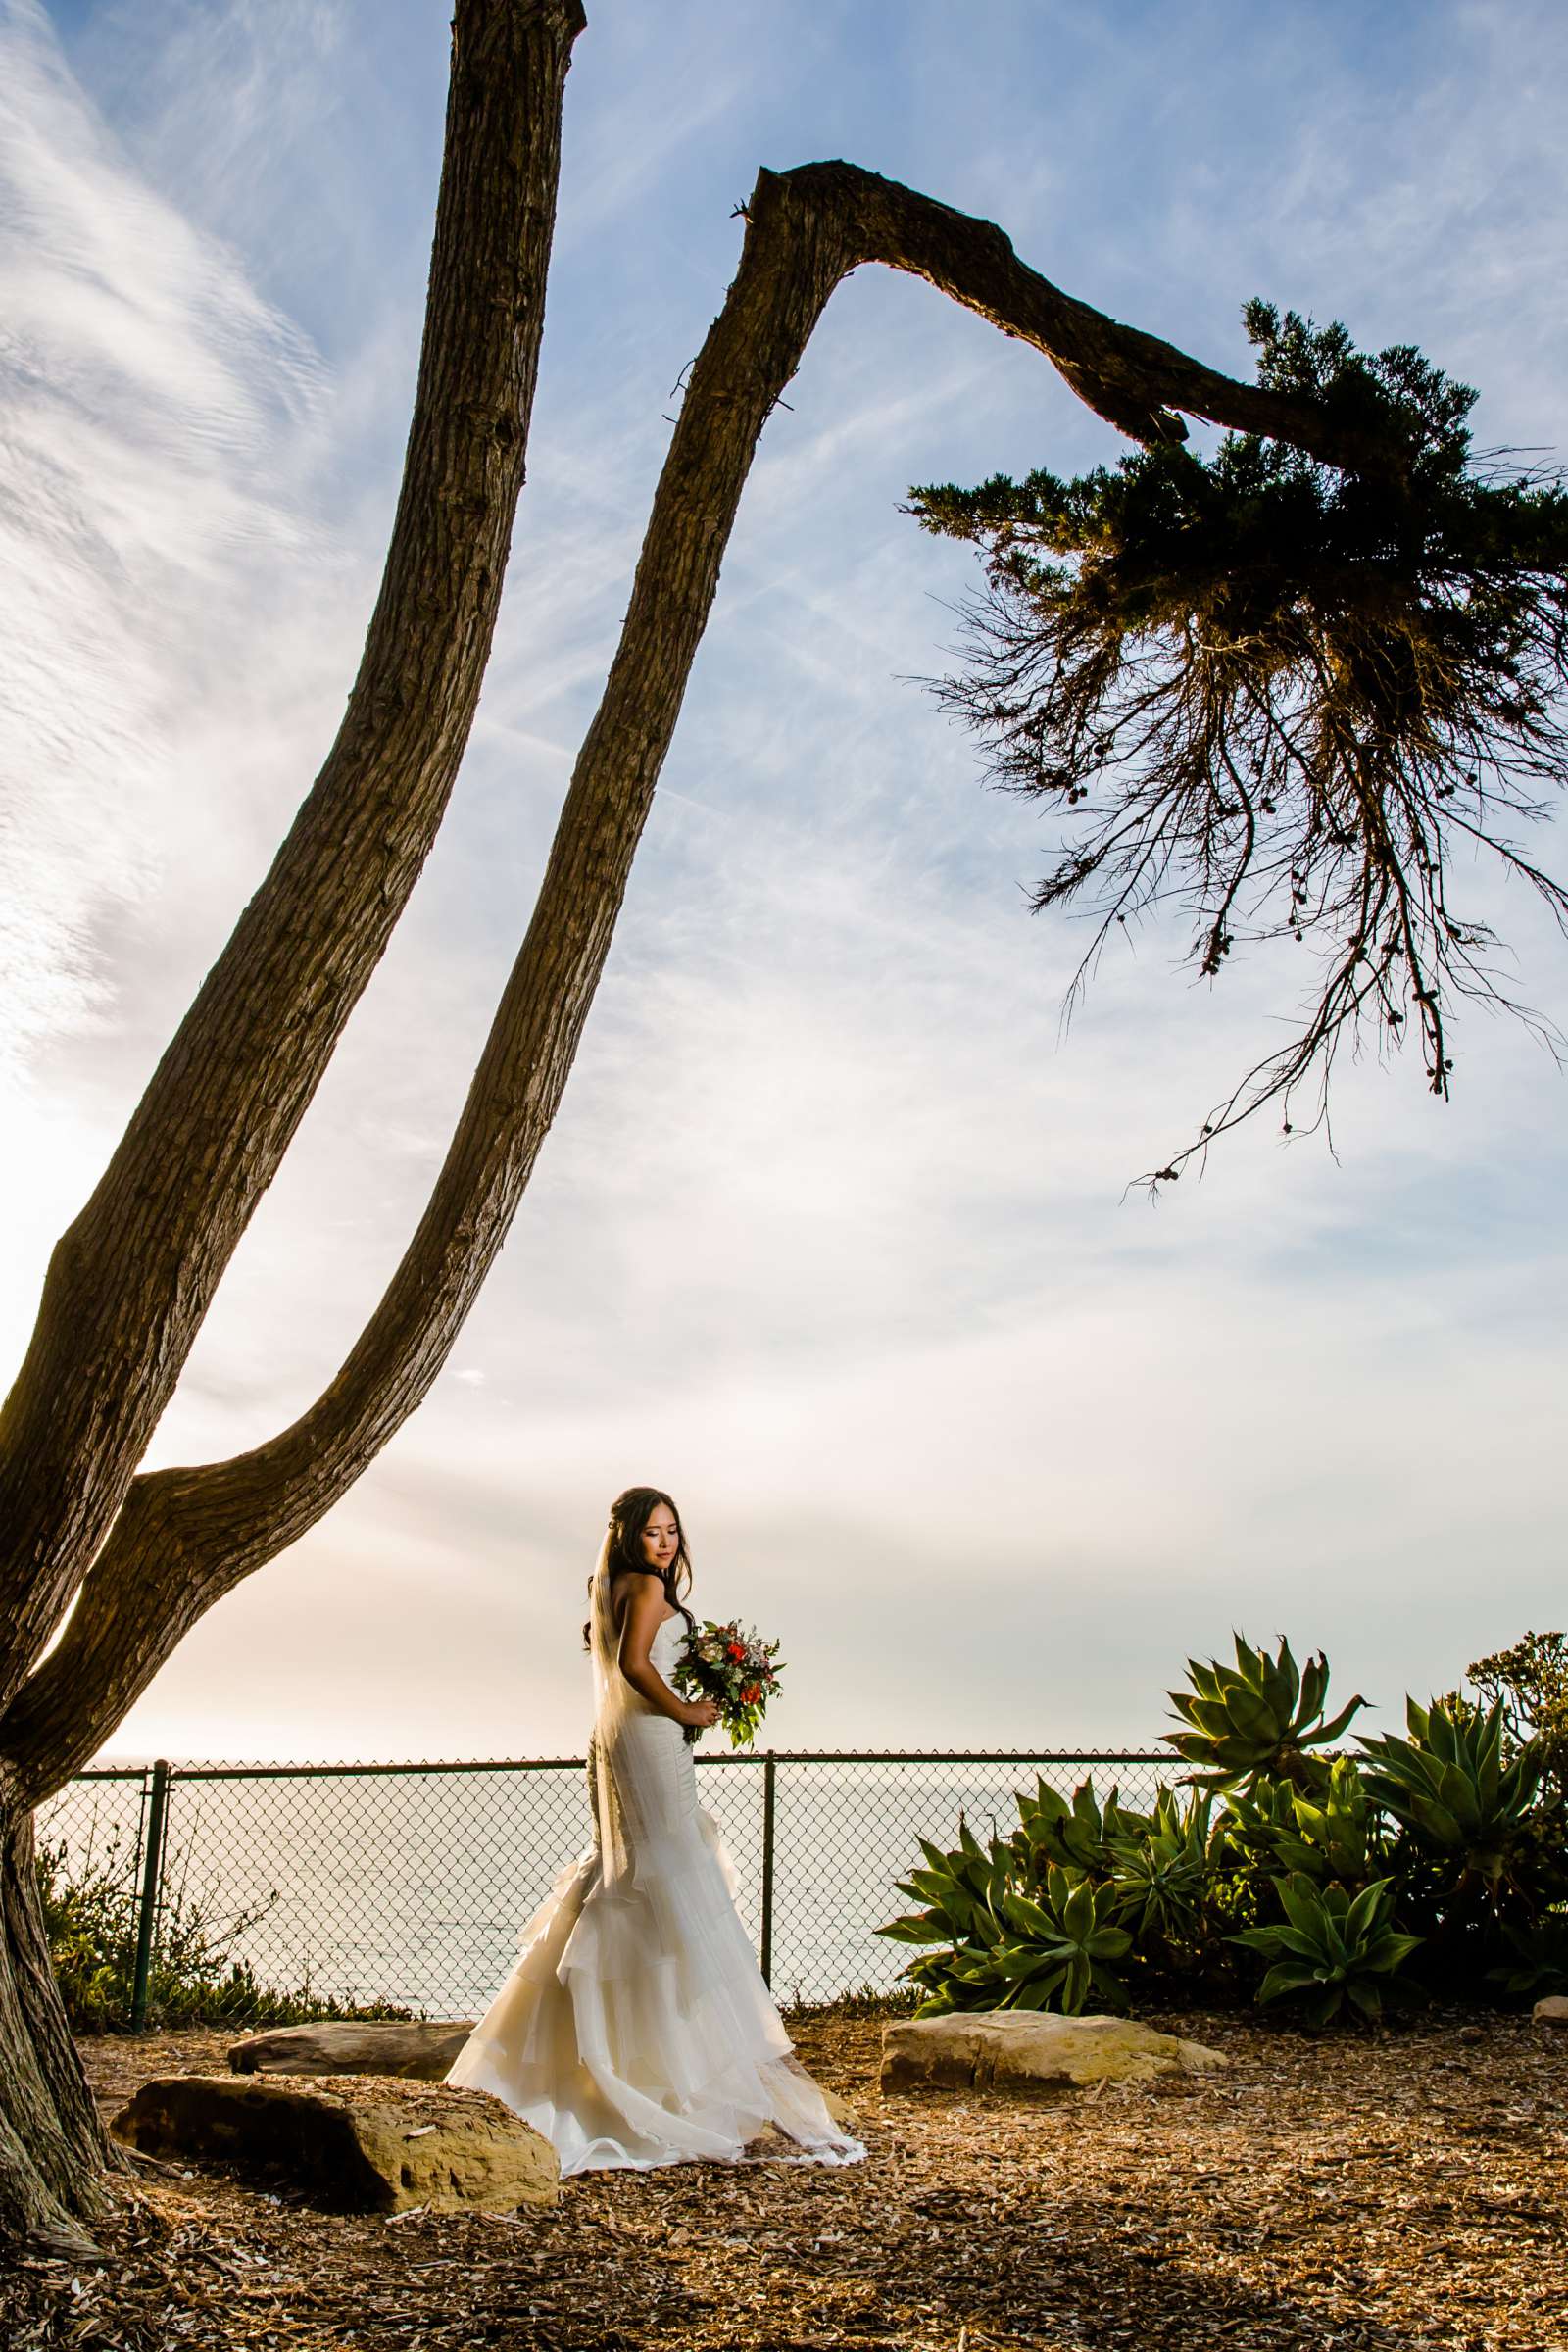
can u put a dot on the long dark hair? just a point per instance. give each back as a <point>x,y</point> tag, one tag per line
<point>629,1514</point>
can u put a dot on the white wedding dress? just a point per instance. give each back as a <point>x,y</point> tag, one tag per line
<point>635,2027</point>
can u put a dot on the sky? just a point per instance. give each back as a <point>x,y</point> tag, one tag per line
<point>832,1237</point>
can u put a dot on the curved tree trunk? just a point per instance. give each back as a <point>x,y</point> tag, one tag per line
<point>52,2147</point>
<point>187,1536</point>
<point>130,1279</point>
<point>183,1537</point>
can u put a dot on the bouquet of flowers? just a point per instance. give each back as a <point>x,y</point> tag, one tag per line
<point>736,1669</point>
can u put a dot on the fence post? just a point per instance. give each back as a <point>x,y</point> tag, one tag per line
<point>768,1868</point>
<point>151,1873</point>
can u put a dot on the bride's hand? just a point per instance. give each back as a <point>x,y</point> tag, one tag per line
<point>701,1715</point>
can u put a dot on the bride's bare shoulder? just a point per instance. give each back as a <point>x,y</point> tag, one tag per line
<point>634,1587</point>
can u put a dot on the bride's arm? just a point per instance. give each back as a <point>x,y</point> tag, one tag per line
<point>644,1614</point>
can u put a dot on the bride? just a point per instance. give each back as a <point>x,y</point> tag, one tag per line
<point>635,2027</point>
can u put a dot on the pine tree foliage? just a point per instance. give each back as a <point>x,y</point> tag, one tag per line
<point>1293,700</point>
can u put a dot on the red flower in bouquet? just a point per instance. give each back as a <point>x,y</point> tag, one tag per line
<point>734,1667</point>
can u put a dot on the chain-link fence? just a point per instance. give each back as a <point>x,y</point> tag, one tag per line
<point>408,1884</point>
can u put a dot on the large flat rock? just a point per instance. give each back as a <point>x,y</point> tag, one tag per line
<point>1553,2011</point>
<point>1027,2051</point>
<point>421,2049</point>
<point>349,2144</point>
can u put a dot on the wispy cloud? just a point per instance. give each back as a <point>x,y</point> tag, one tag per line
<point>143,391</point>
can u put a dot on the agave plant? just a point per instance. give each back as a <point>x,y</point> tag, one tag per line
<point>1064,1945</point>
<point>961,1891</point>
<point>1333,1831</point>
<point>1159,1877</point>
<point>1538,1961</point>
<point>1006,1947</point>
<point>1450,1790</point>
<point>1330,1947</point>
<point>1256,1719</point>
<point>1081,1836</point>
<point>1058,1951</point>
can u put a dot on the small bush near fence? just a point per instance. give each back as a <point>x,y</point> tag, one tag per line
<point>1429,1866</point>
<point>91,1917</point>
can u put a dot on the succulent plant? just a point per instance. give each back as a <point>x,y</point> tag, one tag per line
<point>1450,1790</point>
<point>1064,1943</point>
<point>1007,1948</point>
<point>1330,1947</point>
<point>1538,1961</point>
<point>1256,1719</point>
<point>1080,1836</point>
<point>1159,1877</point>
<point>1332,1832</point>
<point>961,1891</point>
<point>1335,1869</point>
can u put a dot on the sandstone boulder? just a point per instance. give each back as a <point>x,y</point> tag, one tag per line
<point>1553,2011</point>
<point>418,2049</point>
<point>349,2143</point>
<point>1029,2052</point>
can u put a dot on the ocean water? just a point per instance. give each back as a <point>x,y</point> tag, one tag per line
<point>414,1884</point>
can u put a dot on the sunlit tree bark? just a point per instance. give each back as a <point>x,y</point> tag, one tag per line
<point>132,1278</point>
<point>144,1556</point>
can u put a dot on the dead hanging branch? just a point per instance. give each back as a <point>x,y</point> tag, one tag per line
<point>1287,698</point>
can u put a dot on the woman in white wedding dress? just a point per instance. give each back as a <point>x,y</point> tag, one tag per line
<point>635,2027</point>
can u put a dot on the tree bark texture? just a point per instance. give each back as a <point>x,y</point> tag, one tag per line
<point>187,1536</point>
<point>130,1279</point>
<point>53,2150</point>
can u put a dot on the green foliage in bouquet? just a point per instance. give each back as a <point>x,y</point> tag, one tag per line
<point>1432,1865</point>
<point>736,1669</point>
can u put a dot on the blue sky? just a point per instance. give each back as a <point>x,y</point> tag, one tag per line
<point>830,1236</point>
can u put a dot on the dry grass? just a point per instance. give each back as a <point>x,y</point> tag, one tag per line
<point>1360,2192</point>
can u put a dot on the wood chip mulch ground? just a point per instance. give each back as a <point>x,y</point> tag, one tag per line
<point>1354,2193</point>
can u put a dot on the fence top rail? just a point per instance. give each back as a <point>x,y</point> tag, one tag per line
<point>757,1755</point>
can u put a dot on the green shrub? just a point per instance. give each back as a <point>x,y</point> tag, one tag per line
<point>1330,1947</point>
<point>1537,1958</point>
<point>1257,1719</point>
<point>1433,1864</point>
<point>1529,1682</point>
